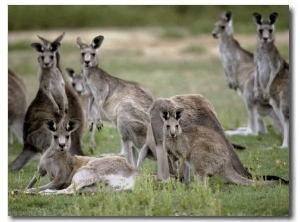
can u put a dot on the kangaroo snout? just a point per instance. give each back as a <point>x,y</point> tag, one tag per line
<point>86,62</point>
<point>214,35</point>
<point>61,146</point>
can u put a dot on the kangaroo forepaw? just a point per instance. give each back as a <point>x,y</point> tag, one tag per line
<point>99,124</point>
<point>266,96</point>
<point>91,126</point>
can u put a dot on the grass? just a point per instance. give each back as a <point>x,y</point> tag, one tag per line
<point>189,69</point>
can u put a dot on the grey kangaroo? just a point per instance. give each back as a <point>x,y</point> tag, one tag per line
<point>240,71</point>
<point>17,105</point>
<point>202,149</point>
<point>78,85</point>
<point>124,103</point>
<point>36,138</point>
<point>198,111</point>
<point>71,173</point>
<point>272,78</point>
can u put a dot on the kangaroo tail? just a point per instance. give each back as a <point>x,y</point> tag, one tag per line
<point>273,178</point>
<point>239,147</point>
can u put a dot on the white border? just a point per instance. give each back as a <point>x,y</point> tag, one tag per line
<point>294,46</point>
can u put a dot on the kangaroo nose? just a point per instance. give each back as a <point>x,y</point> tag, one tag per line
<point>61,146</point>
<point>265,38</point>
<point>86,61</point>
<point>214,35</point>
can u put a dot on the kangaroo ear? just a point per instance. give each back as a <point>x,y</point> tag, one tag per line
<point>38,47</point>
<point>54,46</point>
<point>72,125</point>
<point>45,41</point>
<point>97,41</point>
<point>165,115</point>
<point>179,113</point>
<point>49,124</point>
<point>257,18</point>
<point>273,18</point>
<point>80,43</point>
<point>228,15</point>
<point>59,38</point>
<point>70,72</point>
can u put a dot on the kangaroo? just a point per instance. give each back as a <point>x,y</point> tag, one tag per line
<point>78,85</point>
<point>272,78</point>
<point>17,105</point>
<point>240,71</point>
<point>67,172</point>
<point>203,149</point>
<point>198,111</point>
<point>124,103</point>
<point>36,138</point>
<point>51,82</point>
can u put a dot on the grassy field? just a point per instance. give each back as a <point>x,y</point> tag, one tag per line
<point>169,62</point>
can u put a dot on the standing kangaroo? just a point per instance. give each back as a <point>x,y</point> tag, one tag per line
<point>17,105</point>
<point>67,172</point>
<point>202,149</point>
<point>272,78</point>
<point>124,103</point>
<point>51,82</point>
<point>78,85</point>
<point>198,111</point>
<point>36,138</point>
<point>240,71</point>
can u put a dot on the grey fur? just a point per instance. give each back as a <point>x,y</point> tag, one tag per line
<point>124,103</point>
<point>66,171</point>
<point>36,138</point>
<point>78,85</point>
<point>272,78</point>
<point>17,105</point>
<point>198,111</point>
<point>240,71</point>
<point>202,149</point>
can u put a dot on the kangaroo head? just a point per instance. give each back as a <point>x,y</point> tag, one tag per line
<point>77,81</point>
<point>47,45</point>
<point>61,134</point>
<point>89,53</point>
<point>223,27</point>
<point>265,29</point>
<point>47,56</point>
<point>171,123</point>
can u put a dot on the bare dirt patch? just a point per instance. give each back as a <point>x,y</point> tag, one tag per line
<point>147,43</point>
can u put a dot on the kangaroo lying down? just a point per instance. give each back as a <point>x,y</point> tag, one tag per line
<point>69,174</point>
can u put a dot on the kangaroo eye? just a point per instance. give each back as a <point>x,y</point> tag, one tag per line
<point>51,57</point>
<point>55,136</point>
<point>222,27</point>
<point>270,30</point>
<point>168,126</point>
<point>67,137</point>
<point>43,57</point>
<point>260,31</point>
<point>176,126</point>
<point>93,54</point>
<point>82,54</point>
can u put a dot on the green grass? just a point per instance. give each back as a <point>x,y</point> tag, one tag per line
<point>195,72</point>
